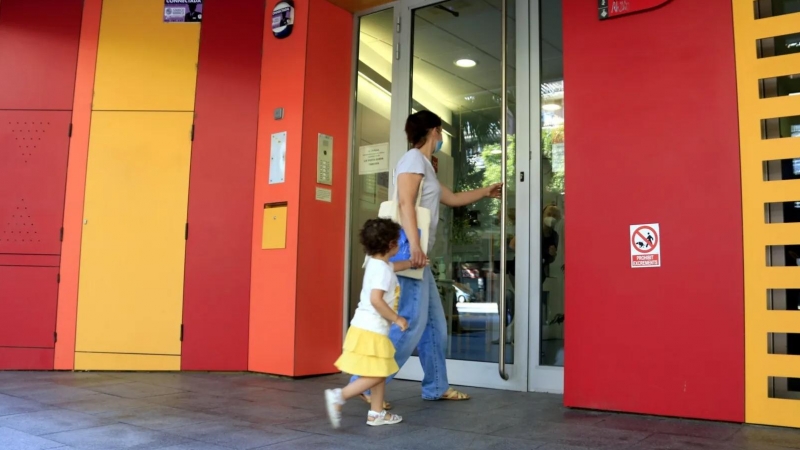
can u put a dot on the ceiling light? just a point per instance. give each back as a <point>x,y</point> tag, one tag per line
<point>551,107</point>
<point>466,63</point>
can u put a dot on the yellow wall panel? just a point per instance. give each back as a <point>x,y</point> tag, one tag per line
<point>273,234</point>
<point>759,278</point>
<point>132,254</point>
<point>117,362</point>
<point>144,64</point>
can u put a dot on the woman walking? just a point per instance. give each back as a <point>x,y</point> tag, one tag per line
<point>420,303</point>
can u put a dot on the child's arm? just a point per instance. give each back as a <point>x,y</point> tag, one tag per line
<point>404,265</point>
<point>401,266</point>
<point>380,305</point>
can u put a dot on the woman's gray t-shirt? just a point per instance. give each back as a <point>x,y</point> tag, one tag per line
<point>414,161</point>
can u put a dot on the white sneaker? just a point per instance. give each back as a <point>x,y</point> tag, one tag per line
<point>375,419</point>
<point>333,401</point>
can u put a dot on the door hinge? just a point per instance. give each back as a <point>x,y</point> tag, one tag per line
<point>398,25</point>
<point>521,177</point>
<point>69,134</point>
<point>397,52</point>
<point>58,278</point>
<point>55,336</point>
<point>181,332</point>
<point>192,133</point>
<point>61,235</point>
<point>186,232</point>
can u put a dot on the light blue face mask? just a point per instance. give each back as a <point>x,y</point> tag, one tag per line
<point>438,146</point>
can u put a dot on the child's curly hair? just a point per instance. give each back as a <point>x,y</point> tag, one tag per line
<point>378,235</point>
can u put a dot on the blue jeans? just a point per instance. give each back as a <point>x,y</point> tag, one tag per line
<point>421,305</point>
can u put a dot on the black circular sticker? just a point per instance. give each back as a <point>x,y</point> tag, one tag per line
<point>283,19</point>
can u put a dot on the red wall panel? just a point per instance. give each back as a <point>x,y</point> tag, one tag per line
<point>326,110</point>
<point>26,358</point>
<point>221,189</point>
<point>652,136</point>
<point>33,169</point>
<point>39,53</point>
<point>28,304</point>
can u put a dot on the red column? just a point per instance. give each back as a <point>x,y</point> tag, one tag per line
<point>296,292</point>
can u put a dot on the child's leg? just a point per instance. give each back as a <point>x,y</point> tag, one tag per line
<point>378,394</point>
<point>377,415</point>
<point>361,385</point>
<point>335,398</point>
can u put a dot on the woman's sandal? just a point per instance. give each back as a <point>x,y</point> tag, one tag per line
<point>386,405</point>
<point>454,395</point>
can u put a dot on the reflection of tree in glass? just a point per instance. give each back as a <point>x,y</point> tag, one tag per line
<point>478,129</point>
<point>549,135</point>
<point>477,163</point>
<point>492,157</point>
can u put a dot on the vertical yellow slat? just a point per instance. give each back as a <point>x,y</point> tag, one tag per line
<point>132,256</point>
<point>144,64</point>
<point>755,193</point>
<point>132,259</point>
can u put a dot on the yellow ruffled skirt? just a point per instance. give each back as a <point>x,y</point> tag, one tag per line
<point>367,354</point>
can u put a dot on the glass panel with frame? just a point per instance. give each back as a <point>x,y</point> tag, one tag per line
<point>551,230</point>
<point>456,73</point>
<point>372,122</point>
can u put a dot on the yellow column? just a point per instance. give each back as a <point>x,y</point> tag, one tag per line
<point>132,256</point>
<point>759,278</point>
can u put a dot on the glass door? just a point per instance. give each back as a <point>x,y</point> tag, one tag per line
<point>459,59</point>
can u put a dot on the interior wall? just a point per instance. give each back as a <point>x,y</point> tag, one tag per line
<point>652,112</point>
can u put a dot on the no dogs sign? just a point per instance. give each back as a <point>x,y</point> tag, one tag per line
<point>645,246</point>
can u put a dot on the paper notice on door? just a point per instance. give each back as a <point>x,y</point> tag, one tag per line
<point>373,158</point>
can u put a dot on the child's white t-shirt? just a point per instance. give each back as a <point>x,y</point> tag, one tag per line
<point>378,275</point>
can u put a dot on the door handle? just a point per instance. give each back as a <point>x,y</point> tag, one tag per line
<point>504,180</point>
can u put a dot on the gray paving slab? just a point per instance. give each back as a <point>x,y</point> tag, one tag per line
<point>228,411</point>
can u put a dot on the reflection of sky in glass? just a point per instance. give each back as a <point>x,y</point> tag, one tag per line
<point>552,119</point>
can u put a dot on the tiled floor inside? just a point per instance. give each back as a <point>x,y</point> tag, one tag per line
<point>201,411</point>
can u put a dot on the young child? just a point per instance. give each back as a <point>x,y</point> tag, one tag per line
<point>367,350</point>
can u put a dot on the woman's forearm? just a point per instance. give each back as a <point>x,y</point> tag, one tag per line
<point>462,198</point>
<point>408,218</point>
<point>469,197</point>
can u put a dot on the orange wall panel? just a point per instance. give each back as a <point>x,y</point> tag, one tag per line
<point>76,184</point>
<point>273,275</point>
<point>322,225</point>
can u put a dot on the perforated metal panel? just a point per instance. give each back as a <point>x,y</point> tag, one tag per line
<point>33,167</point>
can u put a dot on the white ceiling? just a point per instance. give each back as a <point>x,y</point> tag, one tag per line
<point>440,38</point>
